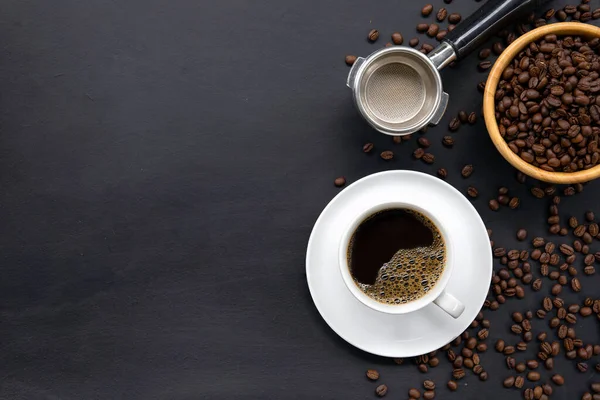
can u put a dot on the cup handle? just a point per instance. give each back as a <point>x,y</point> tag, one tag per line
<point>450,304</point>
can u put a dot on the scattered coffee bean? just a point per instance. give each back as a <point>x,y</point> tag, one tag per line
<point>458,373</point>
<point>472,118</point>
<point>494,205</point>
<point>422,27</point>
<point>372,374</point>
<point>387,155</point>
<point>467,171</point>
<point>442,173</point>
<point>414,393</point>
<point>452,385</point>
<point>448,141</point>
<point>397,38</point>
<point>339,182</point>
<point>558,379</point>
<point>472,192</point>
<point>428,158</point>
<point>368,147</point>
<point>381,390</point>
<point>427,10</point>
<point>454,18</point>
<point>414,42</point>
<point>429,395</point>
<point>533,376</point>
<point>373,35</point>
<point>350,59</point>
<point>521,234</point>
<point>484,53</point>
<point>485,65</point>
<point>509,382</point>
<point>454,124</point>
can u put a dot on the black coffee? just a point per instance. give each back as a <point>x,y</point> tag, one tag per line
<point>396,256</point>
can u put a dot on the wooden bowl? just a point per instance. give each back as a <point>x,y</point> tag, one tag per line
<point>489,106</point>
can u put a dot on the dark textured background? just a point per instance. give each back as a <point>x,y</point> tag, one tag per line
<point>161,167</point>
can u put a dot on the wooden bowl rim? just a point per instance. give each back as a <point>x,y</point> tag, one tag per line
<point>489,107</point>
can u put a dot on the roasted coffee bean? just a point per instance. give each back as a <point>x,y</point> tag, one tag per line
<point>585,311</point>
<point>575,285</point>
<point>429,395</point>
<point>472,118</point>
<point>494,205</point>
<point>467,171</point>
<point>442,173</point>
<point>458,373</point>
<point>516,329</point>
<point>387,155</point>
<point>339,182</point>
<point>500,345</point>
<point>442,14</point>
<point>381,390</point>
<point>547,303</point>
<point>423,142</point>
<point>485,65</point>
<point>538,242</point>
<point>509,382</point>
<point>414,393</point>
<point>397,38</point>
<point>414,42</point>
<point>427,10</point>
<point>528,394</point>
<point>454,18</point>
<point>483,334</point>
<point>538,192</point>
<point>558,379</point>
<point>589,216</point>
<point>521,234</point>
<point>350,59</point>
<point>472,192</point>
<point>556,289</point>
<point>373,35</point>
<point>433,30</point>
<point>520,367</point>
<point>549,363</point>
<point>566,249</point>
<point>532,364</point>
<point>372,374</point>
<point>368,147</point>
<point>458,362</point>
<point>517,317</point>
<point>582,367</point>
<point>422,27</point>
<point>452,385</point>
<point>562,331</point>
<point>536,285</point>
<point>423,368</point>
<point>448,141</point>
<point>454,124</point>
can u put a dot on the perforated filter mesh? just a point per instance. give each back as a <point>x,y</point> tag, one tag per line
<point>395,92</point>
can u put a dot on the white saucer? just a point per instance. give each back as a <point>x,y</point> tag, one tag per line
<point>410,334</point>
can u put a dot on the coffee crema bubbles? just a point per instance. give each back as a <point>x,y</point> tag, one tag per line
<point>396,256</point>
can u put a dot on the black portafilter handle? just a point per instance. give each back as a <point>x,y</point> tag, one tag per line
<point>487,20</point>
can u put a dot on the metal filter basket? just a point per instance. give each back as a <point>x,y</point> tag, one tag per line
<point>399,91</point>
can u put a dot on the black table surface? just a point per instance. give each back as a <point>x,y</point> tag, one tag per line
<point>161,167</point>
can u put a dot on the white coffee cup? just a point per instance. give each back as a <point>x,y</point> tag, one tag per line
<point>436,295</point>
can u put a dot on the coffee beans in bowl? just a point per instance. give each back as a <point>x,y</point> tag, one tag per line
<point>542,103</point>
